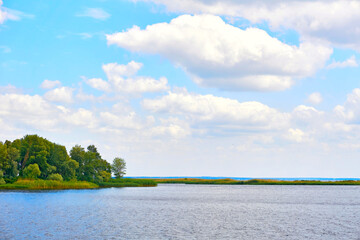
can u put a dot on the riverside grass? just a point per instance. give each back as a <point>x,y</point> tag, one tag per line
<point>39,184</point>
<point>229,181</point>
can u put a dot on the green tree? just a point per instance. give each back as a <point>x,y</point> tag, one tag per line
<point>68,169</point>
<point>2,181</point>
<point>13,158</point>
<point>32,171</point>
<point>105,175</point>
<point>119,167</point>
<point>90,163</point>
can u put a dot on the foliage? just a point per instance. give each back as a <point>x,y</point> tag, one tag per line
<point>128,182</point>
<point>91,165</point>
<point>17,159</point>
<point>105,176</point>
<point>32,171</point>
<point>119,167</point>
<point>55,177</point>
<point>2,181</point>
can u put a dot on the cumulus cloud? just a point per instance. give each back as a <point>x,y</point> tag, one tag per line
<point>48,84</point>
<point>350,110</point>
<point>205,110</point>
<point>350,62</point>
<point>96,13</point>
<point>296,135</point>
<point>28,110</point>
<point>333,21</point>
<point>315,98</point>
<point>61,94</point>
<point>220,55</point>
<point>121,79</point>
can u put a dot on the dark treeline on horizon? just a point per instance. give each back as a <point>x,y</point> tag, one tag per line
<point>38,157</point>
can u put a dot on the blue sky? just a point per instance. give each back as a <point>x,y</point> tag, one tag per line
<point>221,88</point>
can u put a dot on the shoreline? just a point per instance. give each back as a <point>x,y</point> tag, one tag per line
<point>229,181</point>
<point>39,184</point>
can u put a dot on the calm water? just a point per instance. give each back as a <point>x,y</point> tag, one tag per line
<point>184,212</point>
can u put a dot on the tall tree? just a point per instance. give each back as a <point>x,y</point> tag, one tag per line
<point>119,167</point>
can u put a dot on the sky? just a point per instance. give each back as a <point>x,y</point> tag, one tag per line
<point>235,88</point>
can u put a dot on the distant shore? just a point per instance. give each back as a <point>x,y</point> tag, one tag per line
<point>229,181</point>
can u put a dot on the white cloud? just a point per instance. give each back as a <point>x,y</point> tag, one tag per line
<point>96,13</point>
<point>121,79</point>
<point>296,135</point>
<point>61,94</point>
<point>128,70</point>
<point>315,98</point>
<point>48,84</point>
<point>99,84</point>
<point>219,55</point>
<point>217,112</point>
<point>129,121</point>
<point>350,62</point>
<point>28,110</point>
<point>350,111</point>
<point>9,89</point>
<point>11,14</point>
<point>82,117</point>
<point>172,127</point>
<point>333,21</point>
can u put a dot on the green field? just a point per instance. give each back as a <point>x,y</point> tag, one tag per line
<point>229,181</point>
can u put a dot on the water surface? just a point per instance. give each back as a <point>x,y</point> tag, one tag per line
<point>183,212</point>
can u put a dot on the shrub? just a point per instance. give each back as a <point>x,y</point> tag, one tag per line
<point>32,171</point>
<point>56,177</point>
<point>2,181</point>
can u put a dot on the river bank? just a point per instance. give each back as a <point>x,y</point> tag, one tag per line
<point>39,184</point>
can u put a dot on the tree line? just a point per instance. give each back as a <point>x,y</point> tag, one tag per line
<point>36,157</point>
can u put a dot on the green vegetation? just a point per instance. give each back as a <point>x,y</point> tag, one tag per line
<point>39,184</point>
<point>228,181</point>
<point>55,177</point>
<point>32,171</point>
<point>119,167</point>
<point>33,162</point>
<point>128,182</point>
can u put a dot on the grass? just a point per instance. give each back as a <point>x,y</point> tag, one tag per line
<point>39,184</point>
<point>228,181</point>
<point>129,182</point>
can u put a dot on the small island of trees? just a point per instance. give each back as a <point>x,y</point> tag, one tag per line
<point>33,162</point>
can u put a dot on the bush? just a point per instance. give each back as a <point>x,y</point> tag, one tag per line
<point>56,177</point>
<point>2,181</point>
<point>32,171</point>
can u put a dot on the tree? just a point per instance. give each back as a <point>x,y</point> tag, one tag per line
<point>2,181</point>
<point>32,171</point>
<point>105,176</point>
<point>119,167</point>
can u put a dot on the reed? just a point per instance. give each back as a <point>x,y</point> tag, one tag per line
<point>128,182</point>
<point>28,184</point>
